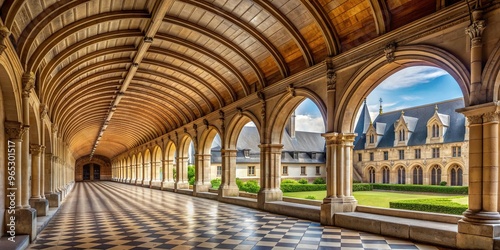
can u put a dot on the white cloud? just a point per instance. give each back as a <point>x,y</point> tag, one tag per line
<point>412,76</point>
<point>309,123</point>
<point>410,98</point>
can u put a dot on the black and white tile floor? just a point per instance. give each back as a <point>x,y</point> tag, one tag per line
<point>108,215</point>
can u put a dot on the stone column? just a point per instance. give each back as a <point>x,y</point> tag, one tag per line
<point>270,162</point>
<point>202,173</point>
<point>40,204</point>
<point>181,181</point>
<point>475,31</point>
<point>14,131</point>
<point>25,168</point>
<point>168,178</point>
<point>481,222</point>
<point>339,167</point>
<point>228,185</point>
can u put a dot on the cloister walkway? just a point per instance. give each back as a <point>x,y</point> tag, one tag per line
<point>109,215</point>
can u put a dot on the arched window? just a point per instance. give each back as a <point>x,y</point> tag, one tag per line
<point>385,175</point>
<point>401,135</point>
<point>435,130</point>
<point>371,174</point>
<point>401,175</point>
<point>372,139</point>
<point>456,174</point>
<point>436,175</point>
<point>417,175</point>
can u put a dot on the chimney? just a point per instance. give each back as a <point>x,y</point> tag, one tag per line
<point>290,126</point>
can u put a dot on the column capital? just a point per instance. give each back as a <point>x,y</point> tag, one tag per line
<point>14,130</point>
<point>269,145</point>
<point>36,149</point>
<point>481,113</point>
<point>339,138</point>
<point>490,117</point>
<point>4,33</point>
<point>28,80</point>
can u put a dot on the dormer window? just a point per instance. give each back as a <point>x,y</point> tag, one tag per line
<point>295,155</point>
<point>435,130</point>
<point>401,135</point>
<point>246,153</point>
<point>372,138</point>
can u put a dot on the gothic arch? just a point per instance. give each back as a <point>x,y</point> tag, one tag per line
<point>491,75</point>
<point>378,69</point>
<point>286,105</point>
<point>206,139</point>
<point>236,125</point>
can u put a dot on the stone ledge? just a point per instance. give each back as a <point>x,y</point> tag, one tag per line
<point>22,242</point>
<point>207,195</point>
<point>241,201</point>
<point>302,211</point>
<point>437,233</point>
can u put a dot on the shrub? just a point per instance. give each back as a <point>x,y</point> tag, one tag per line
<point>250,186</point>
<point>319,180</point>
<point>356,181</point>
<point>443,183</point>
<point>310,197</point>
<point>191,177</point>
<point>438,205</point>
<point>302,187</point>
<point>289,181</point>
<point>303,181</point>
<point>422,188</point>
<point>216,183</point>
<point>361,187</point>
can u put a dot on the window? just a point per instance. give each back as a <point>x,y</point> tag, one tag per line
<point>436,175</point>
<point>401,175</point>
<point>386,155</point>
<point>456,176</point>
<point>302,170</point>
<point>285,170</point>
<point>219,170</point>
<point>435,152</point>
<point>401,154</point>
<point>251,170</point>
<point>360,157</point>
<point>371,156</point>
<point>318,170</point>
<point>435,130</point>
<point>371,174</point>
<point>385,175</point>
<point>372,138</point>
<point>401,135</point>
<point>417,153</point>
<point>313,155</point>
<point>246,152</point>
<point>417,175</point>
<point>295,155</point>
<point>456,151</point>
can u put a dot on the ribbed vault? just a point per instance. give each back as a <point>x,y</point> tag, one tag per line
<point>115,74</point>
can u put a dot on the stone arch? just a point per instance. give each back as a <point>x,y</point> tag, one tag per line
<point>385,173</point>
<point>377,69</point>
<point>411,172</point>
<point>286,105</point>
<point>157,166</point>
<point>367,174</point>
<point>435,178</point>
<point>491,76</point>
<point>147,167</point>
<point>35,126</point>
<point>139,167</point>
<point>400,173</point>
<point>9,85</point>
<point>103,162</point>
<point>206,139</point>
<point>236,125</point>
<point>182,181</point>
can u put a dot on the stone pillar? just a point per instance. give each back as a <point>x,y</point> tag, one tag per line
<point>202,173</point>
<point>168,179</point>
<point>181,180</point>
<point>475,31</point>
<point>25,157</point>
<point>339,168</point>
<point>228,185</point>
<point>50,193</point>
<point>270,162</point>
<point>14,131</point>
<point>481,222</point>
<point>40,204</point>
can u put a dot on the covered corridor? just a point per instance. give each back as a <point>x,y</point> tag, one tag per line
<point>109,215</point>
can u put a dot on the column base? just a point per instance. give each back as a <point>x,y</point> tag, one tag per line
<point>199,188</point>
<point>181,185</point>
<point>54,199</point>
<point>228,191</point>
<point>478,236</point>
<point>267,195</point>
<point>146,183</point>
<point>331,206</point>
<point>25,222</point>
<point>40,205</point>
<point>167,185</point>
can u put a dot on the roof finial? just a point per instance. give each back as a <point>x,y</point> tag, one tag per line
<point>436,108</point>
<point>402,112</point>
<point>365,100</point>
<point>380,109</point>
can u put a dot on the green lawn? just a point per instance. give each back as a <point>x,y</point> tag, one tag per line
<point>377,198</point>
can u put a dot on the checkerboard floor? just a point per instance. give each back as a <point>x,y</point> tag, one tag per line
<point>108,215</point>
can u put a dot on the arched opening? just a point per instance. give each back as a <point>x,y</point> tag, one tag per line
<point>386,175</point>
<point>184,161</point>
<point>157,168</point>
<point>248,159</point>
<point>170,153</point>
<point>456,175</point>
<point>209,167</point>
<point>435,175</point>
<point>417,175</point>
<point>91,172</point>
<point>371,175</point>
<point>401,175</point>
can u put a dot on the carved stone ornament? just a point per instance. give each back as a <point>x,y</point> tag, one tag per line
<point>185,130</point>
<point>331,80</point>
<point>14,130</point>
<point>4,34</point>
<point>195,127</point>
<point>221,114</point>
<point>490,117</point>
<point>260,95</point>
<point>389,52</point>
<point>36,149</point>
<point>43,110</point>
<point>28,81</point>
<point>240,111</point>
<point>290,89</point>
<point>475,32</point>
<point>475,119</point>
<point>205,122</point>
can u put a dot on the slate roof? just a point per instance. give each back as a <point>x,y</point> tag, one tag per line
<point>306,143</point>
<point>418,118</point>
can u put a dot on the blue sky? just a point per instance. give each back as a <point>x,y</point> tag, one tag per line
<point>408,87</point>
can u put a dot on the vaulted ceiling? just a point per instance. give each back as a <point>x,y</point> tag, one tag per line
<point>125,72</point>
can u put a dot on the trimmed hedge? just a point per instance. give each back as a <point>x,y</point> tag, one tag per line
<point>285,187</point>
<point>438,205</point>
<point>361,187</point>
<point>422,188</point>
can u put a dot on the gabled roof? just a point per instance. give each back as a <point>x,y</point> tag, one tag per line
<point>455,132</point>
<point>364,121</point>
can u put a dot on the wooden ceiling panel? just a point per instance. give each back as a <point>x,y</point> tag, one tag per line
<point>406,11</point>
